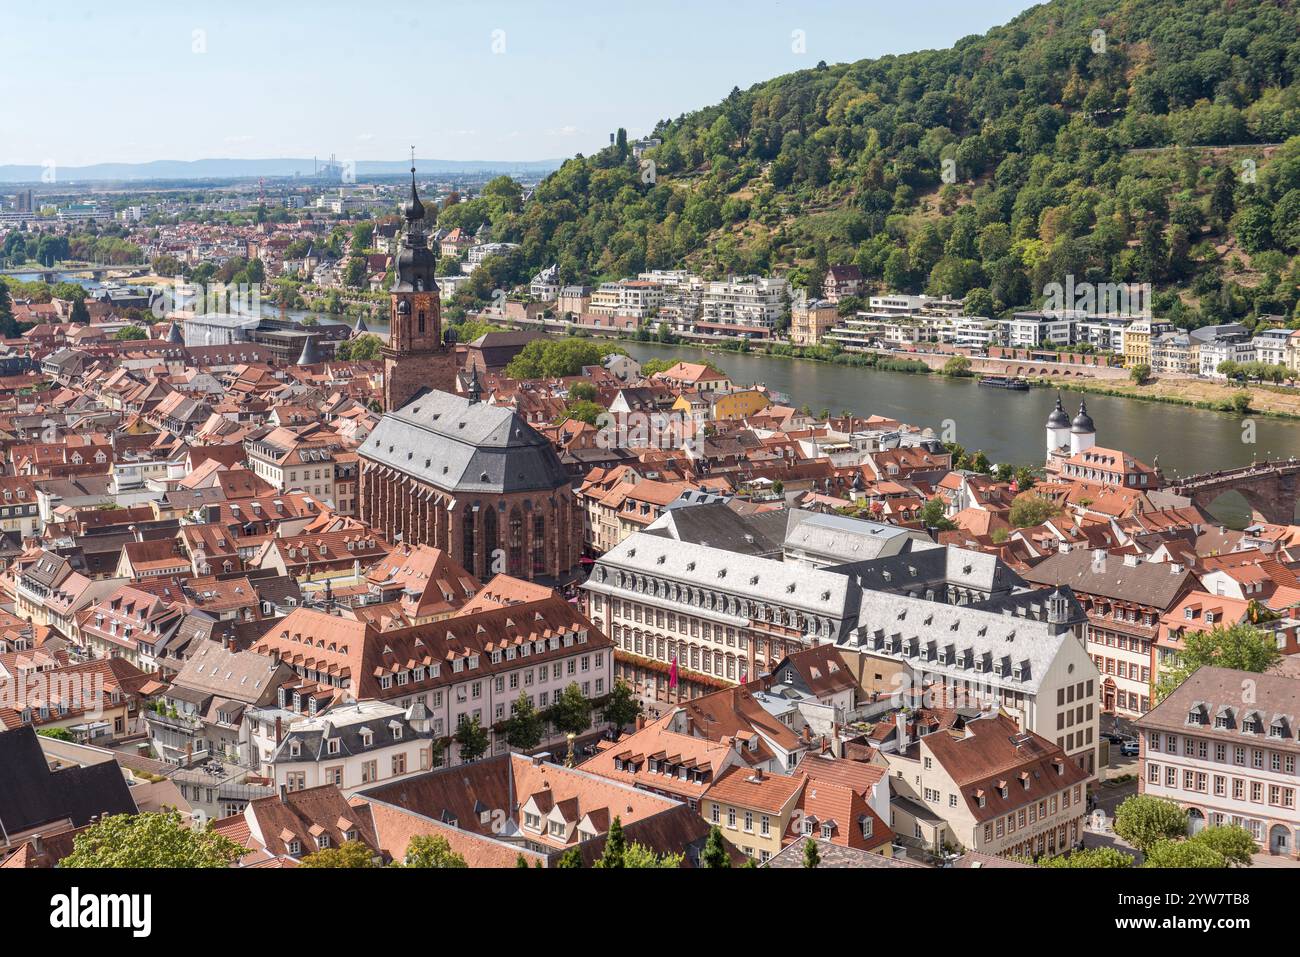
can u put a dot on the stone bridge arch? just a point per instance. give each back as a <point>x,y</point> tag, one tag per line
<point>1271,495</point>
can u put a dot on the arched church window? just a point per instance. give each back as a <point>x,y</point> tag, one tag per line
<point>467,533</point>
<point>516,542</point>
<point>539,543</point>
<point>490,543</point>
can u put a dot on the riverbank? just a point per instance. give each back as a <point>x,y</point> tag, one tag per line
<point>1195,393</point>
<point>1203,394</point>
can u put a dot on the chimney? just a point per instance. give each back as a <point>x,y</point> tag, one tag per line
<point>1131,560</point>
<point>900,723</point>
<point>758,773</point>
<point>284,794</point>
<point>640,721</point>
<point>279,730</point>
<point>690,725</point>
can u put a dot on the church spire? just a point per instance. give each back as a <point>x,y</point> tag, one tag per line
<point>414,209</point>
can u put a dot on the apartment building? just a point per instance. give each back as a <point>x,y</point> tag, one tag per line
<point>989,787</point>
<point>966,630</point>
<point>811,319</point>
<point>297,459</point>
<point>472,665</point>
<point>709,616</point>
<point>1125,599</point>
<point>745,306</point>
<point>1223,745</point>
<point>353,746</point>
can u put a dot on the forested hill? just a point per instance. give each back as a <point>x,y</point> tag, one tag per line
<point>1109,139</point>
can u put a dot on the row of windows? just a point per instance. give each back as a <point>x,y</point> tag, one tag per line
<point>696,628</point>
<point>1028,817</point>
<point>1200,748</point>
<point>1123,669</point>
<point>1199,781</point>
<point>1075,739</point>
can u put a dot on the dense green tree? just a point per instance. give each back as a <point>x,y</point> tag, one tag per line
<point>640,856</point>
<point>525,726</point>
<point>615,847</point>
<point>432,850</point>
<point>715,852</point>
<point>151,839</point>
<point>1143,821</point>
<point>570,858</point>
<point>471,739</point>
<point>1028,510</point>
<point>623,706</point>
<point>1232,841</point>
<point>1183,854</point>
<point>1089,858</point>
<point>571,713</point>
<point>347,854</point>
<point>1242,647</point>
<point>932,516</point>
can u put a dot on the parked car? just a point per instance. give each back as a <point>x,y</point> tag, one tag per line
<point>1129,749</point>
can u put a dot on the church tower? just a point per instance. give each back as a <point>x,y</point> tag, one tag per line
<point>1058,429</point>
<point>1083,434</point>
<point>415,356</point>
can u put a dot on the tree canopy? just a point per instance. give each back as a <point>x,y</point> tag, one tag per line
<point>989,168</point>
<point>151,839</point>
<point>1242,647</point>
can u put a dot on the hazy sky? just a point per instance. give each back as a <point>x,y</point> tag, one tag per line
<point>132,80</point>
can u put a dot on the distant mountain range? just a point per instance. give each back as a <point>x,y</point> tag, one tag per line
<point>242,168</point>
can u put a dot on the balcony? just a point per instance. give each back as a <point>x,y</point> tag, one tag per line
<point>187,724</point>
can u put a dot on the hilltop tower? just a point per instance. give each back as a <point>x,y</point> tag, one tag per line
<point>415,357</point>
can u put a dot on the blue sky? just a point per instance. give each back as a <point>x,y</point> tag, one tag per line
<point>136,81</point>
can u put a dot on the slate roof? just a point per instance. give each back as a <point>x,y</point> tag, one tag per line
<point>462,446</point>
<point>717,525</point>
<point>850,539</point>
<point>387,724</point>
<point>1156,584</point>
<point>33,795</point>
<point>1218,693</point>
<point>960,640</point>
<point>685,565</point>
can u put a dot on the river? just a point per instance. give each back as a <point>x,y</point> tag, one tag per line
<point>1011,426</point>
